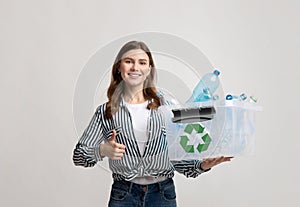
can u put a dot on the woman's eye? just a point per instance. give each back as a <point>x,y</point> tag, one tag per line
<point>143,63</point>
<point>127,61</point>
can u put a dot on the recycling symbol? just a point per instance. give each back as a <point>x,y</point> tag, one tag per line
<point>189,129</point>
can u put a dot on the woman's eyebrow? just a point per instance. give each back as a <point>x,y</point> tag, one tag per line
<point>134,59</point>
<point>144,60</point>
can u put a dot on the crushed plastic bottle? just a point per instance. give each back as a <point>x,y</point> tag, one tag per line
<point>206,87</point>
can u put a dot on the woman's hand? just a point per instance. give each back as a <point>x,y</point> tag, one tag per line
<point>112,149</point>
<point>208,163</point>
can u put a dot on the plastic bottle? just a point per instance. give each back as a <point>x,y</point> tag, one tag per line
<point>166,98</point>
<point>253,99</point>
<point>206,87</point>
<point>242,97</point>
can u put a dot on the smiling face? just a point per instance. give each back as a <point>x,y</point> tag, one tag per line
<point>134,68</point>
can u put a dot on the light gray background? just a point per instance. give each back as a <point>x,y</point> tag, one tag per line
<point>45,44</point>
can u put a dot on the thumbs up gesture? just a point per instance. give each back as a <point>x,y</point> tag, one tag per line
<point>112,149</point>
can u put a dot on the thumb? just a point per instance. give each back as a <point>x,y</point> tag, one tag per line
<point>113,137</point>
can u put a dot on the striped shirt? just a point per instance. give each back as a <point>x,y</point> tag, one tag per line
<point>153,162</point>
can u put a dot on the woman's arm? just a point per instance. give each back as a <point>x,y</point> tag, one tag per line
<point>87,151</point>
<point>189,168</point>
<point>112,149</point>
<point>193,168</point>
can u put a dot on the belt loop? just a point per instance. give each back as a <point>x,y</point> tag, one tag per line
<point>130,186</point>
<point>159,186</point>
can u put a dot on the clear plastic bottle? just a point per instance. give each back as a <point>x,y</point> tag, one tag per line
<point>242,97</point>
<point>166,98</point>
<point>206,87</point>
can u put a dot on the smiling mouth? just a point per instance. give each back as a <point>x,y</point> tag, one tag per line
<point>134,74</point>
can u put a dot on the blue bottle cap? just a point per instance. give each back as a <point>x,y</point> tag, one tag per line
<point>229,97</point>
<point>216,72</point>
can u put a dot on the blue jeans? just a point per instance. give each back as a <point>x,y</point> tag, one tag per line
<point>128,194</point>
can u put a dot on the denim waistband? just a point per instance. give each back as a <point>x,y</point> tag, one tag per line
<point>155,187</point>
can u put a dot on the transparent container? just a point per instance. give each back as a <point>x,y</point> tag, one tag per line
<point>229,132</point>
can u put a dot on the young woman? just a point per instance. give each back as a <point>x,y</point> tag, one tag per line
<point>130,131</point>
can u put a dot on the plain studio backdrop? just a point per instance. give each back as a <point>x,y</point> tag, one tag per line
<point>44,46</point>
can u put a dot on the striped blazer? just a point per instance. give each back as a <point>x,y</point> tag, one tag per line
<point>154,161</point>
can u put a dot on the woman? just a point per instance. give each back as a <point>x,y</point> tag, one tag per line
<point>130,131</point>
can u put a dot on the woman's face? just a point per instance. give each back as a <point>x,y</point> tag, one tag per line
<point>134,67</point>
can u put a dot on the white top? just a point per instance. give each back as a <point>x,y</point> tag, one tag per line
<point>139,115</point>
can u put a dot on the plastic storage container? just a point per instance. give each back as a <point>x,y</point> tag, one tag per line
<point>230,132</point>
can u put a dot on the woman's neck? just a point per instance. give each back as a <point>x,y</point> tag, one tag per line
<point>133,96</point>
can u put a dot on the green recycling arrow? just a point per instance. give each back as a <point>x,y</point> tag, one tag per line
<point>184,139</point>
<point>197,127</point>
<point>183,142</point>
<point>202,147</point>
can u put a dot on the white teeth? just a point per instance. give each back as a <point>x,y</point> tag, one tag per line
<point>135,75</point>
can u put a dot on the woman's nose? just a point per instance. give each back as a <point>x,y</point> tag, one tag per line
<point>135,66</point>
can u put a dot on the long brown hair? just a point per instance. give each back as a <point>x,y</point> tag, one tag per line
<point>116,86</point>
